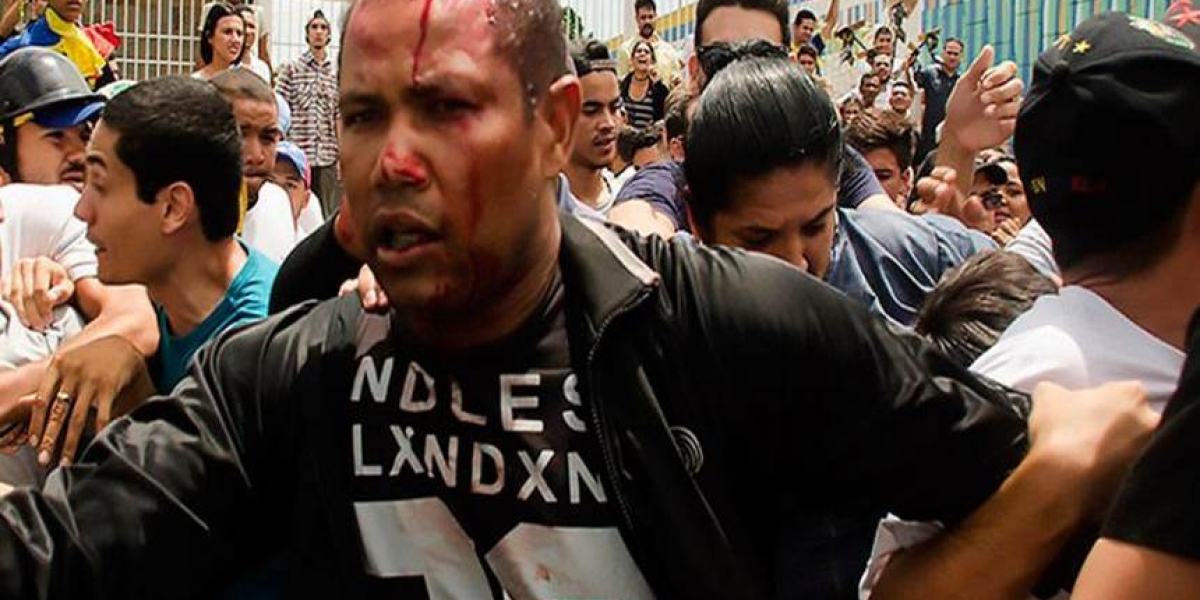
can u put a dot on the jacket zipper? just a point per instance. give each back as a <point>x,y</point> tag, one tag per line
<point>598,420</point>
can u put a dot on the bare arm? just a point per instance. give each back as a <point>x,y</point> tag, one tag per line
<point>1082,444</point>
<point>8,22</point>
<point>831,19</point>
<point>640,216</point>
<point>1119,571</point>
<point>123,311</point>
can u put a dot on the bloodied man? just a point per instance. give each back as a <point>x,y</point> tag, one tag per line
<point>545,396</point>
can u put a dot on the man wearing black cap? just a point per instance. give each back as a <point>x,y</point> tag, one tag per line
<point>1124,224</point>
<point>309,85</point>
<point>1151,542</point>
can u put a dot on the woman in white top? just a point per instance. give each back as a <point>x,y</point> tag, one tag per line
<point>222,40</point>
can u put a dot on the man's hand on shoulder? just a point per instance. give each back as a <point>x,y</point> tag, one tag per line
<point>108,375</point>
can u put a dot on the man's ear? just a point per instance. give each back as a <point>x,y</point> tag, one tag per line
<point>176,206</point>
<point>557,114</point>
<point>694,75</point>
<point>4,177</point>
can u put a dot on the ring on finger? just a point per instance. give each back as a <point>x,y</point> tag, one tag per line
<point>58,408</point>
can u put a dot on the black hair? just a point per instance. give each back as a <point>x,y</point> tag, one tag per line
<point>804,15</point>
<point>756,116</point>
<point>626,144</point>
<point>648,45</point>
<point>976,301</point>
<point>676,120</point>
<point>528,33</point>
<point>319,14</point>
<point>243,84</point>
<point>955,40</point>
<point>874,129</point>
<point>178,129</point>
<point>778,8</point>
<point>215,14</point>
<point>883,29</point>
<point>632,139</point>
<point>591,56</point>
<point>640,4</point>
<point>807,50</point>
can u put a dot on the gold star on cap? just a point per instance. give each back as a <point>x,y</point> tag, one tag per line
<point>1082,47</point>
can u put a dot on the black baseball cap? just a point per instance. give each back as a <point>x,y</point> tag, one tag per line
<point>1108,138</point>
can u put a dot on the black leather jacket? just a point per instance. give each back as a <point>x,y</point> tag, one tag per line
<point>727,387</point>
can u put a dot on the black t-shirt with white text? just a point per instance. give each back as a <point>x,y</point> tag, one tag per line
<point>480,476</point>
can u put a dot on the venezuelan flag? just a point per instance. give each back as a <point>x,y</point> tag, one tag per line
<point>82,46</point>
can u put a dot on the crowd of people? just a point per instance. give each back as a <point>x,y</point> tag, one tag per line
<point>469,311</point>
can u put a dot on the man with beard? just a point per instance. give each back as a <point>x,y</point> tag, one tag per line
<point>596,132</point>
<point>668,65</point>
<point>269,226</point>
<point>546,394</point>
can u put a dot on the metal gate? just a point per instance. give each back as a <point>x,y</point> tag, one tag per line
<point>158,36</point>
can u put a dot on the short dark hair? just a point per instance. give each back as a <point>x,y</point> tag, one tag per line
<point>243,84</point>
<point>632,139</point>
<point>955,40</point>
<point>529,34</point>
<point>902,83</point>
<point>756,116</point>
<point>640,4</point>
<point>976,301</point>
<point>317,15</point>
<point>215,14</point>
<point>179,129</point>
<point>804,15</point>
<point>882,30</point>
<point>676,120</point>
<point>807,50</point>
<point>883,129</point>
<point>778,8</point>
<point>590,56</point>
<point>626,141</point>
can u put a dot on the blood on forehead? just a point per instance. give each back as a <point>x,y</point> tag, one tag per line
<point>373,26</point>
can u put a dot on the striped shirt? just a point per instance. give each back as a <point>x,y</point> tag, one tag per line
<point>310,89</point>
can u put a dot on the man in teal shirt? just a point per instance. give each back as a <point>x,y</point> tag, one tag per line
<point>162,207</point>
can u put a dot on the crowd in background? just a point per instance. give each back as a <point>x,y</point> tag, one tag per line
<point>456,318</point>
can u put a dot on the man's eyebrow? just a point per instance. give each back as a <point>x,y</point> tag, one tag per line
<point>95,160</point>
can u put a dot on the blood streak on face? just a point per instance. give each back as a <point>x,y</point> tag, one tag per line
<point>398,167</point>
<point>416,69</point>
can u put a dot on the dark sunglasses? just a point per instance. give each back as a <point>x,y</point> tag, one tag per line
<point>718,55</point>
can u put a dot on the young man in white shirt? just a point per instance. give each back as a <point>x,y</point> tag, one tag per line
<point>1125,224</point>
